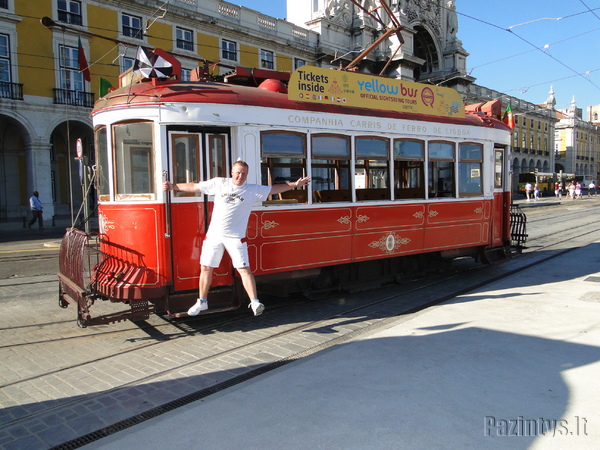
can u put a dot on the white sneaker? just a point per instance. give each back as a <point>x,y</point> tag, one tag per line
<point>201,305</point>
<point>257,308</point>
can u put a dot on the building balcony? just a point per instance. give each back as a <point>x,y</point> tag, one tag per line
<point>74,98</point>
<point>14,91</point>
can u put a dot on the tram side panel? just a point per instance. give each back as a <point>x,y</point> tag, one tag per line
<point>134,252</point>
<point>187,235</point>
<point>288,240</point>
<point>187,223</point>
<point>455,225</point>
<point>383,231</point>
<point>300,239</point>
<point>501,219</point>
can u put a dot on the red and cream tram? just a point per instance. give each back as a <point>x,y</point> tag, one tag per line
<point>401,175</point>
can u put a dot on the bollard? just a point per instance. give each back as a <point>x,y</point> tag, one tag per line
<point>53,222</point>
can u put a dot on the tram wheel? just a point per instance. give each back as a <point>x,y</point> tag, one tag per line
<point>320,287</point>
<point>81,322</point>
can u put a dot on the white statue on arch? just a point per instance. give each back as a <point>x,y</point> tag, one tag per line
<point>399,6</point>
<point>339,10</point>
<point>451,20</point>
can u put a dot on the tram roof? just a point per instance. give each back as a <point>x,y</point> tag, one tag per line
<point>155,93</point>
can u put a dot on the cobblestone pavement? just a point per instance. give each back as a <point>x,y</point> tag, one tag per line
<point>59,382</point>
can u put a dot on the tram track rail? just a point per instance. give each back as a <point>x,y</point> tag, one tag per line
<point>182,328</point>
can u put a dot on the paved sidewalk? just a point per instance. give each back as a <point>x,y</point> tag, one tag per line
<point>13,232</point>
<point>513,365</point>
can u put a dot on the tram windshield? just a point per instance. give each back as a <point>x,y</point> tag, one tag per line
<point>134,160</point>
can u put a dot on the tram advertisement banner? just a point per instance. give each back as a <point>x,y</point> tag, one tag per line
<point>319,85</point>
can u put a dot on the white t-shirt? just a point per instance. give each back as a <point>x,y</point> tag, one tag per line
<point>233,205</point>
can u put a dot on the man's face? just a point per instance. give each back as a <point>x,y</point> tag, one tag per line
<point>239,174</point>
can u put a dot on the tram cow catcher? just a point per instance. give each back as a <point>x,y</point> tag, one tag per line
<point>399,183</point>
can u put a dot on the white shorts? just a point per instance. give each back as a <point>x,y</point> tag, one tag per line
<point>213,248</point>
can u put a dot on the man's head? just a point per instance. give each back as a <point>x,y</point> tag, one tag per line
<point>36,193</point>
<point>239,172</point>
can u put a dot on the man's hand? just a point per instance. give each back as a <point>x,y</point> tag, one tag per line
<point>302,181</point>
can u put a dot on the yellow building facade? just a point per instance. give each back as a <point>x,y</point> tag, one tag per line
<point>45,100</point>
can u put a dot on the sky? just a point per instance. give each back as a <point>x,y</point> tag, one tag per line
<point>522,47</point>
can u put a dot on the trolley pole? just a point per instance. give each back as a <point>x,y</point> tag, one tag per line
<point>83,178</point>
<point>85,186</point>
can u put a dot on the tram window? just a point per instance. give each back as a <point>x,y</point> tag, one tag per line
<point>441,169</point>
<point>409,174</point>
<point>283,160</point>
<point>134,167</point>
<point>102,171</point>
<point>371,173</point>
<point>217,147</point>
<point>498,165</point>
<point>185,163</point>
<point>470,158</point>
<point>283,144</point>
<point>330,176</point>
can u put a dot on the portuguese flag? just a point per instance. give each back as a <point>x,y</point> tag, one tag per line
<point>509,118</point>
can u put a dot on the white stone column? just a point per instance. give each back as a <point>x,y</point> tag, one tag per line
<point>37,157</point>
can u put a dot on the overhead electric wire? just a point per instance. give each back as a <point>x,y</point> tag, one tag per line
<point>487,23</point>
<point>533,50</point>
<point>543,50</point>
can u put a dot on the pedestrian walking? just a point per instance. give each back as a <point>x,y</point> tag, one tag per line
<point>528,188</point>
<point>37,210</point>
<point>234,199</point>
<point>591,189</point>
<point>571,190</point>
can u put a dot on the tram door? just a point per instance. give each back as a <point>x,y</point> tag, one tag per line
<point>194,157</point>
<point>502,200</point>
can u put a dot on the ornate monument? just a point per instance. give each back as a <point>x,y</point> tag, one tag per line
<point>429,50</point>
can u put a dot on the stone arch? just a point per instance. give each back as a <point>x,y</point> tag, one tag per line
<point>64,168</point>
<point>516,166</point>
<point>15,136</point>
<point>425,47</point>
<point>516,170</point>
<point>524,166</point>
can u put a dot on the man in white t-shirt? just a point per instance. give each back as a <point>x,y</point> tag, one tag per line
<point>234,200</point>
<point>591,189</point>
<point>528,189</point>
